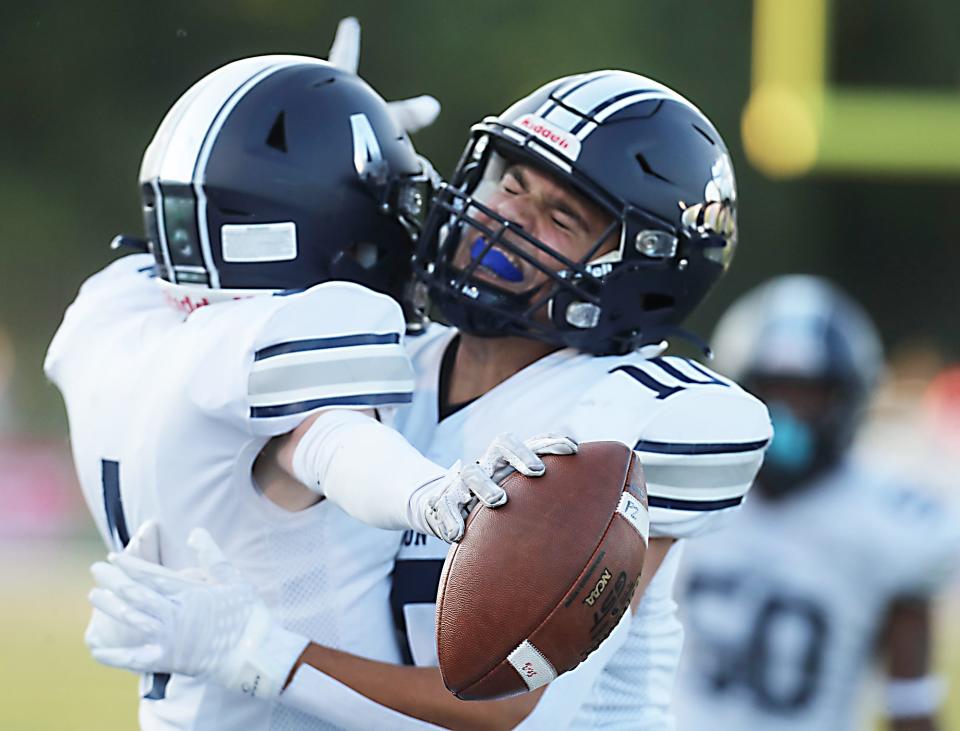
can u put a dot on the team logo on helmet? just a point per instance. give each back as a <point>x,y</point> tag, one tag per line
<point>716,214</point>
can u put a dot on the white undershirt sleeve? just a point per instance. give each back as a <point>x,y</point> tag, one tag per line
<point>366,468</point>
<point>316,693</point>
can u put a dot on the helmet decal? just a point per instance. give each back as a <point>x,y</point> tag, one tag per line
<point>259,241</point>
<point>366,149</point>
<point>716,214</point>
<point>721,187</point>
<point>561,140</point>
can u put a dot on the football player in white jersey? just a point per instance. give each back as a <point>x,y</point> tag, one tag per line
<point>271,189</point>
<point>831,564</point>
<point>580,228</point>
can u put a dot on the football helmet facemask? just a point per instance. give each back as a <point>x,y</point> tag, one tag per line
<point>276,173</point>
<point>628,147</point>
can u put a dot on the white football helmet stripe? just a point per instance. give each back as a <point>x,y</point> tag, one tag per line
<point>178,166</point>
<point>596,98</point>
<point>588,98</point>
<point>641,96</point>
<point>563,118</point>
<point>185,129</point>
<point>575,83</point>
<point>156,150</point>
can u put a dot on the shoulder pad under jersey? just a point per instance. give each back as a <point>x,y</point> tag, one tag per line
<point>269,362</point>
<point>119,289</point>
<point>917,533</point>
<point>699,436</point>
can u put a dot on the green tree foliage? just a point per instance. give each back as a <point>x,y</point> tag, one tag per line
<point>85,84</point>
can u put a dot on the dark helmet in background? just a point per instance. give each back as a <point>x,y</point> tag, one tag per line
<point>275,173</point>
<point>814,356</point>
<point>637,151</point>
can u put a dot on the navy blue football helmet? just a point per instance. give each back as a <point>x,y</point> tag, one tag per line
<point>276,173</point>
<point>799,335</point>
<point>639,153</point>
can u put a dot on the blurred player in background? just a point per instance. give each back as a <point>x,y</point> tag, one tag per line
<point>580,228</point>
<point>248,402</point>
<point>830,565</point>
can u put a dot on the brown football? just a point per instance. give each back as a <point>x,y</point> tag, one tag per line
<point>536,585</point>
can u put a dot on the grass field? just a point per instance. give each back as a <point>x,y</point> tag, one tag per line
<point>49,683</point>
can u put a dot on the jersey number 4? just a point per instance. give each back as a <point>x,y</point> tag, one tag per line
<point>113,504</point>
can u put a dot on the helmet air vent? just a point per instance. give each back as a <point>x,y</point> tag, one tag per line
<point>649,170</point>
<point>277,137</point>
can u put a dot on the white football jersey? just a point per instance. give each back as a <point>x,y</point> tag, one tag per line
<point>700,439</point>
<point>782,609</point>
<point>167,417</point>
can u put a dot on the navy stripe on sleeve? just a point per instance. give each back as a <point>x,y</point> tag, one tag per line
<point>341,341</point>
<point>366,399</point>
<point>645,445</point>
<point>699,505</point>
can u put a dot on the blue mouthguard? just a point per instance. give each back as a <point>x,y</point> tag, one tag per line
<point>495,261</point>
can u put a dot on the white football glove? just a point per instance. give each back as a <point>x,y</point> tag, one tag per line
<point>448,501</point>
<point>206,622</point>
<point>104,630</point>
<point>410,114</point>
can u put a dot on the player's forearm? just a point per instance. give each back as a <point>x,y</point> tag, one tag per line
<point>656,552</point>
<point>415,692</point>
<point>913,695</point>
<point>419,692</point>
<point>366,468</point>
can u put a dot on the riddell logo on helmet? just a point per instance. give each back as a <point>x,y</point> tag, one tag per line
<point>552,135</point>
